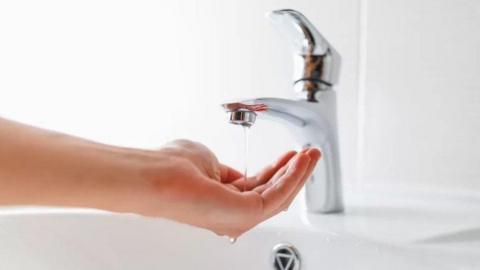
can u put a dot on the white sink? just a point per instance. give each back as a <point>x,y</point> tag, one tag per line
<point>387,231</point>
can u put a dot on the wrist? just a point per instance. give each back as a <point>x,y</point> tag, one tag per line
<point>116,178</point>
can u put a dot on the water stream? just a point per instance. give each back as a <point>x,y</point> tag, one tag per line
<point>245,156</point>
<point>245,166</point>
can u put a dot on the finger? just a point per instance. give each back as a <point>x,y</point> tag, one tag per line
<point>266,174</point>
<point>277,194</point>
<point>232,187</point>
<point>245,184</point>
<point>315,156</point>
<point>228,174</point>
<point>236,179</point>
<point>252,183</point>
<point>261,188</point>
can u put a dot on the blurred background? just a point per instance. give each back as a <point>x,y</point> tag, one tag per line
<point>140,73</point>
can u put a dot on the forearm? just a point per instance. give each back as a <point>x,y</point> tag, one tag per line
<point>40,167</point>
<point>183,181</point>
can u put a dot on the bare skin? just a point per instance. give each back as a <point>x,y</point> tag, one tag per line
<point>182,181</point>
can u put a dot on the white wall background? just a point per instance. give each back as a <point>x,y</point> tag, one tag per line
<point>139,73</point>
<point>422,94</point>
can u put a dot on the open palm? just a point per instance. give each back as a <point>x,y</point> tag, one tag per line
<point>203,192</point>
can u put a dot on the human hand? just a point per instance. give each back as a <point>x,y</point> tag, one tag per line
<point>189,185</point>
<point>183,181</point>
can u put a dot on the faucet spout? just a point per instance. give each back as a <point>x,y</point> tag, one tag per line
<point>313,125</point>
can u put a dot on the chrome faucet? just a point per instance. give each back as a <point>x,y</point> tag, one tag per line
<point>313,118</point>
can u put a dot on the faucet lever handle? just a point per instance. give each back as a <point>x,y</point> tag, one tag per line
<point>317,63</point>
<point>304,36</point>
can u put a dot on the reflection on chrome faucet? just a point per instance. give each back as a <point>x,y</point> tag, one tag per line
<point>313,119</point>
<point>243,114</point>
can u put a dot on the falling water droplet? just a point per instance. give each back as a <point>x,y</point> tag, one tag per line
<point>233,240</point>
